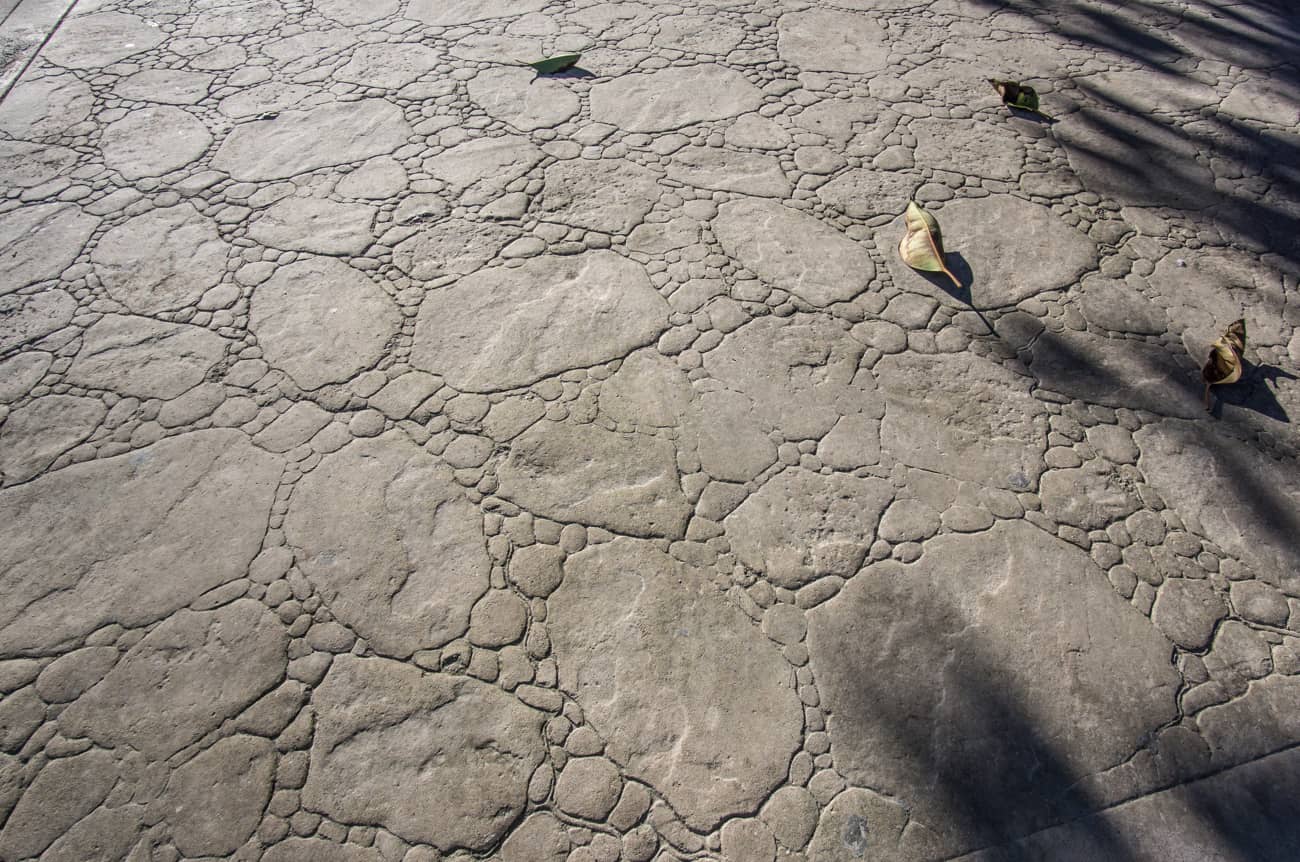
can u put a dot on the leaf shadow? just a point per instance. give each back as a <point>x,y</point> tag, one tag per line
<point>1253,392</point>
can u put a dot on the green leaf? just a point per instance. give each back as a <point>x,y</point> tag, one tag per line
<point>1018,95</point>
<point>558,63</point>
<point>922,246</point>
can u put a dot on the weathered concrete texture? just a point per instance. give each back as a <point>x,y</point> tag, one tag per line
<point>689,695</point>
<point>1032,675</point>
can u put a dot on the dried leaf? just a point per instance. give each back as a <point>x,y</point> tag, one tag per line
<point>922,246</point>
<point>1224,364</point>
<point>1017,95</point>
<point>558,63</point>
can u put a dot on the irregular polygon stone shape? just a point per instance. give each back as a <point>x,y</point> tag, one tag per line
<point>1086,497</point>
<point>1002,660</point>
<point>65,791</point>
<point>451,247</point>
<point>42,430</point>
<point>350,14</point>
<point>45,106</point>
<point>169,86</point>
<point>609,195</point>
<point>19,373</point>
<point>149,142</point>
<point>38,243</point>
<point>64,679</point>
<point>238,19</point>
<point>626,483</point>
<point>800,372</point>
<point>21,712</point>
<point>381,177</point>
<point>588,787</point>
<point>1236,496</point>
<point>540,838</point>
<point>319,850</point>
<point>729,439</point>
<point>988,240</point>
<point>130,539</point>
<point>1260,722</point>
<point>672,98</point>
<point>699,34</point>
<point>689,695</point>
<point>91,41</point>
<point>214,802</point>
<point>388,66</point>
<point>497,329</point>
<point>1206,290</point>
<point>793,251</point>
<point>964,417</point>
<point>1117,372</point>
<point>322,321</point>
<point>648,389</point>
<point>832,41</point>
<point>474,748</point>
<point>1114,305</point>
<point>801,525</point>
<point>27,318</point>
<point>860,824</point>
<point>447,13</point>
<point>271,97</point>
<point>183,679</point>
<point>729,170</point>
<point>970,148</point>
<point>162,260</point>
<point>486,164</point>
<point>315,225</point>
<point>522,99</point>
<point>392,544</point>
<point>298,141</point>
<point>25,165</point>
<point>139,356</point>
<point>104,835</point>
<point>1111,152</point>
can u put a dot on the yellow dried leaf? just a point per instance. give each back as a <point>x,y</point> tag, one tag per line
<point>1224,364</point>
<point>922,246</point>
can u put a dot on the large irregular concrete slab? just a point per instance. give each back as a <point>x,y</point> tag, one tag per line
<point>132,538</point>
<point>322,321</point>
<point>39,242</point>
<point>522,99</point>
<point>26,318</point>
<point>215,801</point>
<point>495,329</point>
<point>962,416</point>
<point>794,251</point>
<point>485,166</point>
<point>609,195</point>
<point>389,66</point>
<point>101,38</point>
<point>1243,500</point>
<point>47,106</point>
<point>988,242</point>
<point>826,40</point>
<point>1003,661</point>
<point>316,225</point>
<point>149,142</point>
<point>41,430</point>
<point>1208,290</point>
<point>730,170</point>
<point>626,483</point>
<point>24,165</point>
<point>672,98</point>
<point>298,141</point>
<point>801,526</point>
<point>399,555</point>
<point>139,356</point>
<point>168,86</point>
<point>689,695</point>
<point>162,260</point>
<point>476,744</point>
<point>446,14</point>
<point>451,247</point>
<point>183,679</point>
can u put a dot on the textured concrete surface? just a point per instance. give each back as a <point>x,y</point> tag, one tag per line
<point>404,458</point>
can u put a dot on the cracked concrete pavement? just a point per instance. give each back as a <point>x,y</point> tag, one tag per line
<point>406,458</point>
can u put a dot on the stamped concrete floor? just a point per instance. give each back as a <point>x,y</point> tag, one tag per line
<point>406,459</point>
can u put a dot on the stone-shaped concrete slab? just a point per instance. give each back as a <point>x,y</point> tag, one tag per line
<point>41,430</point>
<point>163,260</point>
<point>476,745</point>
<point>801,526</point>
<point>864,193</point>
<point>626,483</point>
<point>100,39</point>
<point>392,544</point>
<point>522,99</point>
<point>608,195</point>
<point>26,165</point>
<point>970,148</point>
<point>793,251</point>
<point>89,544</point>
<point>321,321</point>
<point>962,416</point>
<point>828,40</point>
<point>1004,661</point>
<point>39,242</point>
<point>168,86</point>
<point>447,13</point>
<point>389,66</point>
<point>1207,289</point>
<point>149,142</point>
<point>1243,500</point>
<point>183,679</point>
<point>729,170</point>
<point>688,694</point>
<point>350,14</point>
<point>1119,307</point>
<point>298,141</point>
<point>215,801</point>
<point>672,98</point>
<point>991,238</point>
<point>26,318</point>
<point>42,107</point>
<point>494,330</point>
<point>316,225</point>
<point>485,166</point>
<point>451,247</point>
<point>138,356</point>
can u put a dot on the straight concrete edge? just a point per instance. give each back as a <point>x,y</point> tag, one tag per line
<point>31,23</point>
